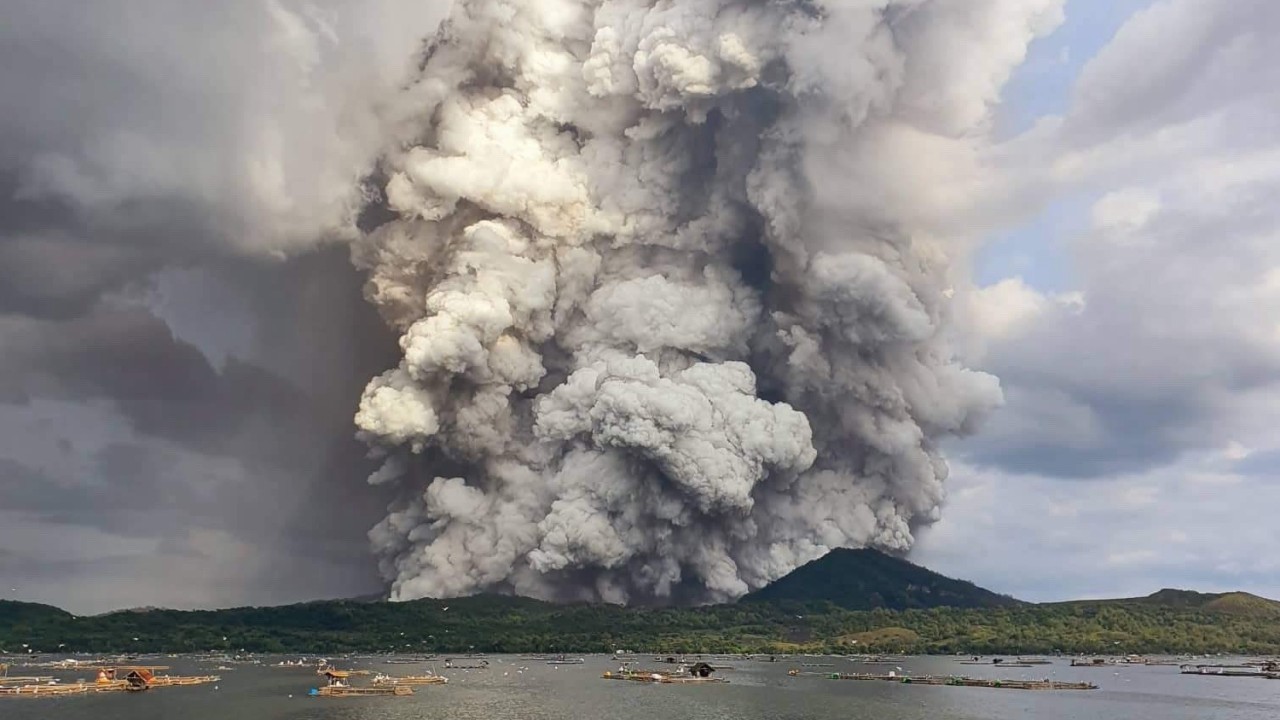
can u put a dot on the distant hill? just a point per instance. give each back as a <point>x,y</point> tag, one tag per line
<point>20,620</point>
<point>14,613</point>
<point>144,609</point>
<point>868,579</point>
<point>1228,603</point>
<point>1234,603</point>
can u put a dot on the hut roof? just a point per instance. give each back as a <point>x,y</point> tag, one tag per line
<point>142,674</point>
<point>701,669</point>
<point>340,674</point>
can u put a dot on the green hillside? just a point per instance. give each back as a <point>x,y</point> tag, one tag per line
<point>13,613</point>
<point>849,602</point>
<point>1231,603</point>
<point>868,579</point>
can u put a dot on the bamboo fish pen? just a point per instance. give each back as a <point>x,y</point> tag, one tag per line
<point>383,680</point>
<point>960,681</point>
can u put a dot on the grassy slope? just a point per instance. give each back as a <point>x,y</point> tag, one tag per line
<point>1231,603</point>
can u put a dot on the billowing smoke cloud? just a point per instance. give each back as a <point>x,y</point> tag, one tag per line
<point>671,281</point>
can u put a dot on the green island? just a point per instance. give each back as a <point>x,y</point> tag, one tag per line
<point>849,602</point>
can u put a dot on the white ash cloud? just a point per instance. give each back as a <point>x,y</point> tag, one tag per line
<point>672,285</point>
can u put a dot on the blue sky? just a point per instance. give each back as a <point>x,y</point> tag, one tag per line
<point>1039,88</point>
<point>1136,448</point>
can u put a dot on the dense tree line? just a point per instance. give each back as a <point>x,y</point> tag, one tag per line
<point>504,624</point>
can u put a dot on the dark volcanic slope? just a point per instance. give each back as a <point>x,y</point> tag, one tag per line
<point>868,579</point>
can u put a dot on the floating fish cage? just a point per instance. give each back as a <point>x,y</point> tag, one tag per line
<point>176,680</point>
<point>411,680</point>
<point>109,680</point>
<point>958,681</point>
<point>348,691</point>
<point>698,674</point>
<point>45,690</point>
<point>665,679</point>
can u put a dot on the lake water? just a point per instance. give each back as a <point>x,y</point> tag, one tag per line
<point>517,688</point>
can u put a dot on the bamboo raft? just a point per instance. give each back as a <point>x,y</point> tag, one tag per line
<point>45,690</point>
<point>176,680</point>
<point>348,691</point>
<point>660,677</point>
<point>338,686</point>
<point>103,684</point>
<point>383,680</point>
<point>25,680</point>
<point>57,689</point>
<point>1225,670</point>
<point>960,681</point>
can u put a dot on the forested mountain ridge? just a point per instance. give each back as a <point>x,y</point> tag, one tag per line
<point>810,613</point>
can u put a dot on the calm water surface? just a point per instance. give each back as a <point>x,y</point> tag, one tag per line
<point>516,688</point>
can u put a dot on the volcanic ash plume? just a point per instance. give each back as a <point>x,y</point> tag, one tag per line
<point>671,323</point>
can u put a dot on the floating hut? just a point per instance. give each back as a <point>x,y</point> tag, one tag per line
<point>127,679</point>
<point>144,678</point>
<point>339,686</point>
<point>336,678</point>
<point>696,674</point>
<point>138,679</point>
